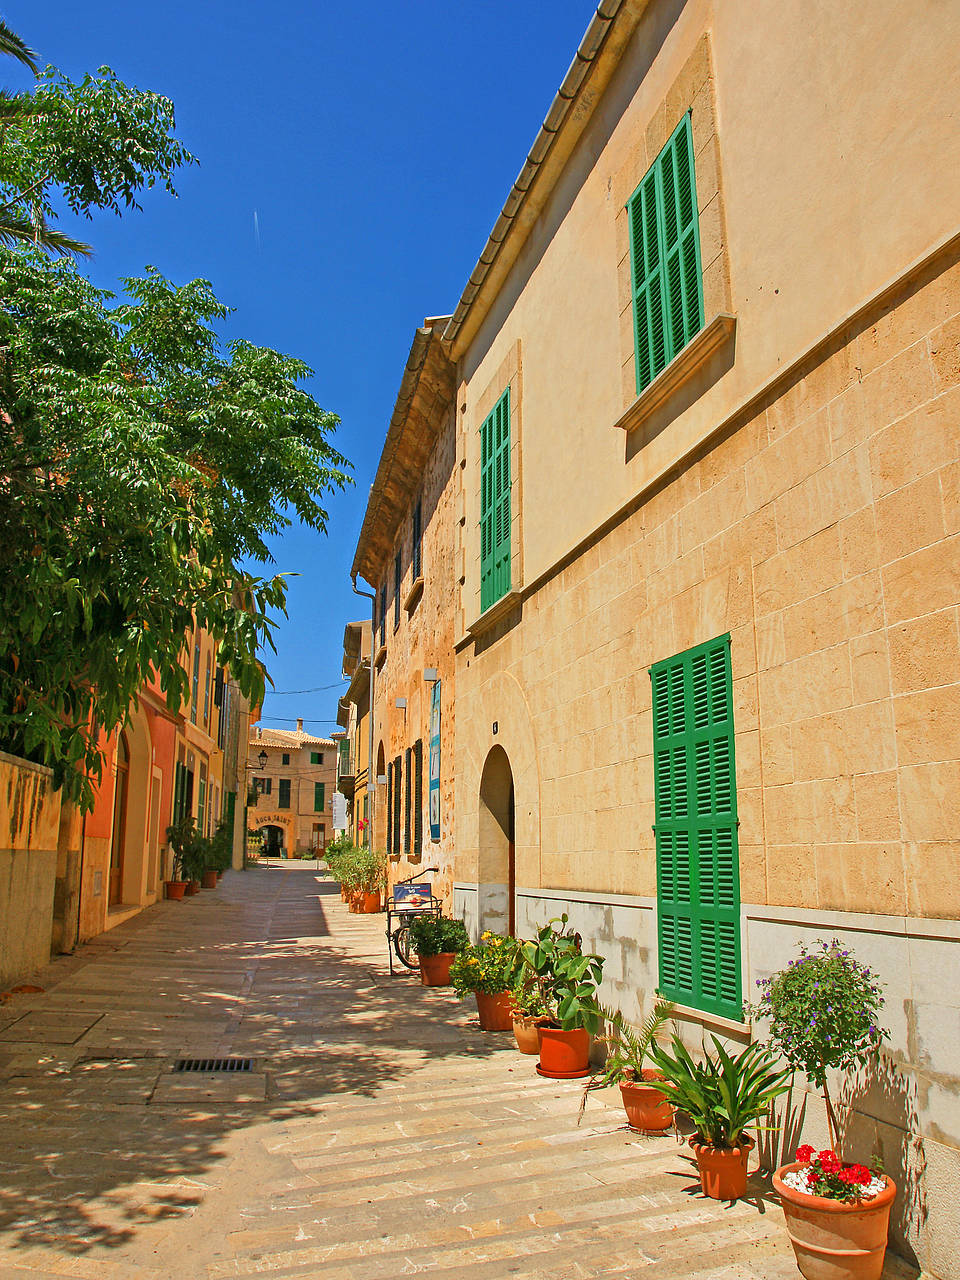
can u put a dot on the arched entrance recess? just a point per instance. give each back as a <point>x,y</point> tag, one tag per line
<point>118,841</point>
<point>272,841</point>
<point>497,845</point>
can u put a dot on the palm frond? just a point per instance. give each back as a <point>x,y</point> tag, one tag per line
<point>11,43</point>
<point>17,230</point>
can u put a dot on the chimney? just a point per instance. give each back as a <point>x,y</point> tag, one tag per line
<point>299,726</point>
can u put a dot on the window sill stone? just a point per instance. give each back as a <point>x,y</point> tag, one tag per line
<point>711,338</point>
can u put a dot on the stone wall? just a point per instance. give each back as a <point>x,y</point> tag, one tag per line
<point>423,639</point>
<point>29,831</point>
<point>822,531</point>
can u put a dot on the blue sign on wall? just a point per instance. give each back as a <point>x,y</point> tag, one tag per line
<point>435,762</point>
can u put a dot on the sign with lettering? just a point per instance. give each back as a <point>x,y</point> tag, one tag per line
<point>435,762</point>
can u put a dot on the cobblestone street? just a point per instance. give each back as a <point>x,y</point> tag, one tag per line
<point>380,1132</point>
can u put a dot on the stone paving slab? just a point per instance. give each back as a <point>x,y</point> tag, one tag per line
<point>380,1134</point>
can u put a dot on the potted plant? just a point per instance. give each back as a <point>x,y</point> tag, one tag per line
<point>371,878</point>
<point>568,982</point>
<point>179,835</point>
<point>488,970</point>
<point>824,1011</point>
<point>627,1049</point>
<point>723,1096</point>
<point>436,940</point>
<point>530,1012</point>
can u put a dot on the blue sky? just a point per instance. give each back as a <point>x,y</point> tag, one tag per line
<point>375,145</point>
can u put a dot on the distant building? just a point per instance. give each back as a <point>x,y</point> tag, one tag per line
<point>291,796</point>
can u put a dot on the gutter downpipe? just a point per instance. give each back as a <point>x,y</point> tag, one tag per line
<point>371,782</point>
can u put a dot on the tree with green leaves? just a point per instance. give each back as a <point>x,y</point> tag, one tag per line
<point>143,462</point>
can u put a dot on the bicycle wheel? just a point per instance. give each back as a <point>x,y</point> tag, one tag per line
<point>403,947</point>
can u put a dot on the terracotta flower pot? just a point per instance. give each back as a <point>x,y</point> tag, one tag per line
<point>496,1011</point>
<point>564,1055</point>
<point>833,1240</point>
<point>209,880</point>
<point>646,1107</point>
<point>435,970</point>
<point>193,886</point>
<point>526,1032</point>
<point>723,1170</point>
<point>175,889</point>
<point>369,903</point>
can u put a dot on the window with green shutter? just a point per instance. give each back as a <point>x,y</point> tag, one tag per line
<point>495,503</point>
<point>665,257</point>
<point>318,797</point>
<point>418,798</point>
<point>698,872</point>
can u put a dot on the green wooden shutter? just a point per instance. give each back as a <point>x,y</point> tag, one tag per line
<point>397,778</point>
<point>665,257</point>
<point>495,503</point>
<point>407,801</point>
<point>418,798</point>
<point>698,877</point>
<point>318,797</point>
<point>390,849</point>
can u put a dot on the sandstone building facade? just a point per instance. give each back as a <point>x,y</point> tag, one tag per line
<point>292,793</point>
<point>690,440</point>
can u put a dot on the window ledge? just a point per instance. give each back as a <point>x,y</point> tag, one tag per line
<point>711,338</point>
<point>711,1020</point>
<point>489,616</point>
<point>413,595</point>
<point>380,656</point>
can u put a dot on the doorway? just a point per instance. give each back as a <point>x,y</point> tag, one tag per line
<point>497,891</point>
<point>121,792</point>
<point>272,842</point>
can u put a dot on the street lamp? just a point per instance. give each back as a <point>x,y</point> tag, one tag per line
<point>262,757</point>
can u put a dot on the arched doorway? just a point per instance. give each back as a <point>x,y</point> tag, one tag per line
<point>272,841</point>
<point>117,842</point>
<point>497,845</point>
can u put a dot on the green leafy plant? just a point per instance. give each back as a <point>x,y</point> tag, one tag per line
<point>221,847</point>
<point>722,1095</point>
<point>627,1048</point>
<point>145,462</point>
<point>568,980</point>
<point>527,998</point>
<point>436,935</point>
<point>824,1013</point>
<point>191,850</point>
<point>489,966</point>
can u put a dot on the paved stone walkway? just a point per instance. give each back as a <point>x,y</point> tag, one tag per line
<point>381,1133</point>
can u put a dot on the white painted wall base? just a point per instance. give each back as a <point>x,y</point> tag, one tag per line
<point>907,1111</point>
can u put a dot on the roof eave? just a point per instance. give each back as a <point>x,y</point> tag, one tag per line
<point>589,73</point>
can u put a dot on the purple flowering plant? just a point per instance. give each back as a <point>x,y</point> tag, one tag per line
<point>824,1012</point>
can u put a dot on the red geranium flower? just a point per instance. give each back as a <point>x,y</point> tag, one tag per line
<point>805,1153</point>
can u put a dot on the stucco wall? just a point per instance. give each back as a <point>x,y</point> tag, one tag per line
<point>29,829</point>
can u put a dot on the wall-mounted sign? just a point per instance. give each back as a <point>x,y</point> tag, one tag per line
<point>339,811</point>
<point>435,762</point>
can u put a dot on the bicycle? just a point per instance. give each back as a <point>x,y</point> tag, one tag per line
<point>415,898</point>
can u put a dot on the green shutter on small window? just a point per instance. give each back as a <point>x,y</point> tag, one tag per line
<point>698,879</point>
<point>665,257</point>
<point>495,503</point>
<point>389,808</point>
<point>418,798</point>
<point>318,797</point>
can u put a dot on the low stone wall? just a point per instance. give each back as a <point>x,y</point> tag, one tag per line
<point>29,831</point>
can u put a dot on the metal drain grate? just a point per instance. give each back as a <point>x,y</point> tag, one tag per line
<point>210,1065</point>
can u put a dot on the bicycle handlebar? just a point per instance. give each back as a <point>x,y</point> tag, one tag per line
<point>424,871</point>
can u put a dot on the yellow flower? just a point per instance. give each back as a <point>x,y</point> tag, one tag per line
<point>486,934</point>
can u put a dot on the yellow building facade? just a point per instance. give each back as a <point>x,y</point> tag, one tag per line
<point>695,419</point>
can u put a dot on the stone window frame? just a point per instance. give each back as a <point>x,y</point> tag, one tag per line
<point>509,375</point>
<point>693,90</point>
